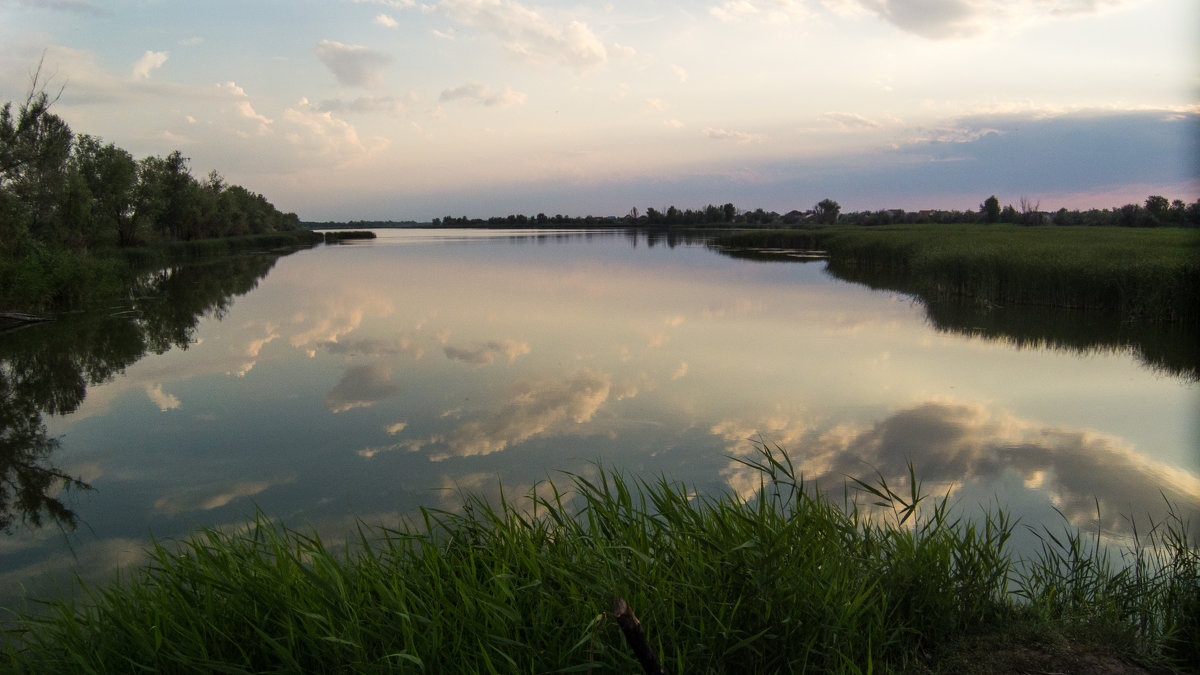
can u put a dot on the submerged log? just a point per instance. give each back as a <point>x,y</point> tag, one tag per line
<point>635,636</point>
<point>10,320</point>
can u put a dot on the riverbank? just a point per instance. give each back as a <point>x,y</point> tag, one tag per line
<point>1143,274</point>
<point>49,280</point>
<point>789,581</point>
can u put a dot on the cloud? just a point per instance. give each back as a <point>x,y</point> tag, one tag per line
<point>149,61</point>
<point>483,95</point>
<point>195,499</point>
<point>353,65</point>
<point>770,11</point>
<point>366,104</point>
<point>680,72</point>
<point>163,400</point>
<point>376,347</point>
<point>850,120</point>
<point>385,20</point>
<point>487,353</point>
<point>80,6</point>
<point>528,35</point>
<point>949,19</point>
<point>736,136</point>
<point>387,3</point>
<point>361,387</point>
<point>319,133</point>
<point>955,443</point>
<point>531,409</point>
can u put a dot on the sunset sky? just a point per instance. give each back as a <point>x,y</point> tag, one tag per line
<point>401,109</point>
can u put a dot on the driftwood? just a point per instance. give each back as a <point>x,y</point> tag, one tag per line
<point>13,320</point>
<point>635,636</point>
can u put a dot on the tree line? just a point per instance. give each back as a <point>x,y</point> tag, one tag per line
<point>77,193</point>
<point>1157,211</point>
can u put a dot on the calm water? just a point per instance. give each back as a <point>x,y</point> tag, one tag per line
<point>363,380</point>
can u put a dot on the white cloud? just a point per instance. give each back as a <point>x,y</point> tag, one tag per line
<point>386,21</point>
<point>366,104</point>
<point>318,133</point>
<point>622,51</point>
<point>483,95</point>
<point>528,35</point>
<point>770,11</point>
<point>736,136</point>
<point>850,120</point>
<point>163,400</point>
<point>680,72</point>
<point>353,65</point>
<point>149,61</point>
<point>243,107</point>
<point>388,3</point>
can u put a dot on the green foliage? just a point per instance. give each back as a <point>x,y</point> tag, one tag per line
<point>990,209</point>
<point>826,211</point>
<point>63,196</point>
<point>782,581</point>
<point>1151,275</point>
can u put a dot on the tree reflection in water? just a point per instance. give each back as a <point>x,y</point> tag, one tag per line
<point>46,369</point>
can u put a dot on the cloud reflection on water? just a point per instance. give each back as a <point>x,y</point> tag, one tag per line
<point>485,354</point>
<point>957,443</point>
<point>362,386</point>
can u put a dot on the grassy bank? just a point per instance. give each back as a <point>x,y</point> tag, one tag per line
<point>1145,274</point>
<point>47,279</point>
<point>788,582</point>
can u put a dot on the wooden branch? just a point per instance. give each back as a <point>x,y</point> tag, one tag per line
<point>635,636</point>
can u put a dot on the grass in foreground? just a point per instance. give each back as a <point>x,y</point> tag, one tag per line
<point>1146,274</point>
<point>785,582</point>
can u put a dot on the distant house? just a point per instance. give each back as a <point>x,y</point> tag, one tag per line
<point>796,217</point>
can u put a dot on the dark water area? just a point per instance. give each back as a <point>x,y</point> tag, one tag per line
<point>363,380</point>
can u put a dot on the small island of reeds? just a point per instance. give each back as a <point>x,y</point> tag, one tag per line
<point>1145,274</point>
<point>787,580</point>
<point>336,236</point>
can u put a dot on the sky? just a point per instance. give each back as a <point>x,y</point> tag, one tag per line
<point>412,110</point>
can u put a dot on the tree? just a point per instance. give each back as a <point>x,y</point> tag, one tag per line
<point>34,147</point>
<point>112,178</point>
<point>827,211</point>
<point>1030,215</point>
<point>990,208</point>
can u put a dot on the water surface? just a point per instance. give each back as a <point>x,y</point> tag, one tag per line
<point>363,380</point>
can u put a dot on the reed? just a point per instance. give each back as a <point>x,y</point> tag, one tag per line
<point>789,580</point>
<point>1146,274</point>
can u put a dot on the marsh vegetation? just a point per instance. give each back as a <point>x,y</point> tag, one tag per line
<point>788,579</point>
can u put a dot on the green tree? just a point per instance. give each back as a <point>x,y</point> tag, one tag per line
<point>990,208</point>
<point>827,211</point>
<point>34,147</point>
<point>111,175</point>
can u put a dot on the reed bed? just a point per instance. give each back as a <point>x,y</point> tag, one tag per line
<point>1145,274</point>
<point>787,581</point>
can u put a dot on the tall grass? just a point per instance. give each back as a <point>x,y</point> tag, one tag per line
<point>787,581</point>
<point>1147,274</point>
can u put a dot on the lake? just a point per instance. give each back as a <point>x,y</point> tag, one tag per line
<point>365,380</point>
